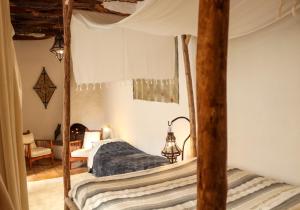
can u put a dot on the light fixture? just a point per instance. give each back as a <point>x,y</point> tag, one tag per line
<point>171,150</point>
<point>58,47</point>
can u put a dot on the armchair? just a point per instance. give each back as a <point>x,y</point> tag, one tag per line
<point>36,149</point>
<point>79,149</point>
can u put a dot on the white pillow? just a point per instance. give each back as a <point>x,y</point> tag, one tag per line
<point>91,138</point>
<point>29,139</point>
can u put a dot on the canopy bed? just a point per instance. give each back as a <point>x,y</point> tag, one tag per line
<point>206,187</point>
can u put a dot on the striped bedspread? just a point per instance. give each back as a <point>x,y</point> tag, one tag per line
<point>173,187</point>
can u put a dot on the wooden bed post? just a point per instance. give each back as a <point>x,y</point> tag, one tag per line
<point>189,84</point>
<point>67,15</point>
<point>211,104</point>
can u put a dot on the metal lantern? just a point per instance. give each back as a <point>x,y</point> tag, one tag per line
<point>171,150</point>
<point>58,47</point>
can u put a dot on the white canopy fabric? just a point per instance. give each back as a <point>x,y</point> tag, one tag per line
<point>248,16</point>
<point>119,54</point>
<point>111,48</point>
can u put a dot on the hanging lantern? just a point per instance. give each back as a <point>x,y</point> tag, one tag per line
<point>58,47</point>
<point>171,150</point>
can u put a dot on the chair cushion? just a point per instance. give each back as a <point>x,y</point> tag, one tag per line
<point>81,152</point>
<point>91,137</point>
<point>29,139</point>
<point>40,151</point>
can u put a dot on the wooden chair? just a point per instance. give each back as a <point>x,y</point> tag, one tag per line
<point>37,149</point>
<point>79,149</point>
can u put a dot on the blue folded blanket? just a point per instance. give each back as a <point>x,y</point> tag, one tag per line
<point>121,157</point>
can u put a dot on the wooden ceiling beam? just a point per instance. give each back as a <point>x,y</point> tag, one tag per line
<point>38,21</point>
<point>19,9</point>
<point>35,16</point>
<point>100,8</point>
<point>35,5</point>
<point>47,30</point>
<point>128,1</point>
<point>29,37</point>
<point>38,29</point>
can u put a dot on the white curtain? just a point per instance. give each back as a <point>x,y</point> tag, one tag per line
<point>12,163</point>
<point>119,54</point>
<point>248,16</point>
<point>5,201</point>
<point>112,48</point>
<point>165,18</point>
<point>176,17</point>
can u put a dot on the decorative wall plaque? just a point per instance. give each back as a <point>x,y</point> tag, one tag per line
<point>44,87</point>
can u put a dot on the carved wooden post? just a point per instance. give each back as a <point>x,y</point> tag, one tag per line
<point>189,84</point>
<point>211,104</point>
<point>67,15</point>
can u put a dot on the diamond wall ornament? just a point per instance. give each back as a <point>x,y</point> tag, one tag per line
<point>44,87</point>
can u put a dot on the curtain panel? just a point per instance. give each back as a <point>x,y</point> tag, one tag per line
<point>12,162</point>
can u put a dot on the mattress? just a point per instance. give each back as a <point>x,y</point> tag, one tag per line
<point>173,187</point>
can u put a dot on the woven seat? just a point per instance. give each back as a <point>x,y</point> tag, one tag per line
<point>40,151</point>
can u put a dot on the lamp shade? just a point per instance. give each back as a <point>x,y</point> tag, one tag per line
<point>171,150</point>
<point>58,47</point>
<point>106,132</point>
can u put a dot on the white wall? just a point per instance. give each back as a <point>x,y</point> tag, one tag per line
<point>32,56</point>
<point>86,106</point>
<point>264,101</point>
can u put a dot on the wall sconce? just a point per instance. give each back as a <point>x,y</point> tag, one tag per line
<point>171,150</point>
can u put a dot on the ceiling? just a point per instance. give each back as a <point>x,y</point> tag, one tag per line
<point>41,19</point>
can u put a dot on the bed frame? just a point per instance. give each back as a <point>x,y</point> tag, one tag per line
<point>211,106</point>
<point>70,204</point>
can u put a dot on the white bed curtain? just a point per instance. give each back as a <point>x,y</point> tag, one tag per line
<point>12,165</point>
<point>108,48</point>
<point>118,54</point>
